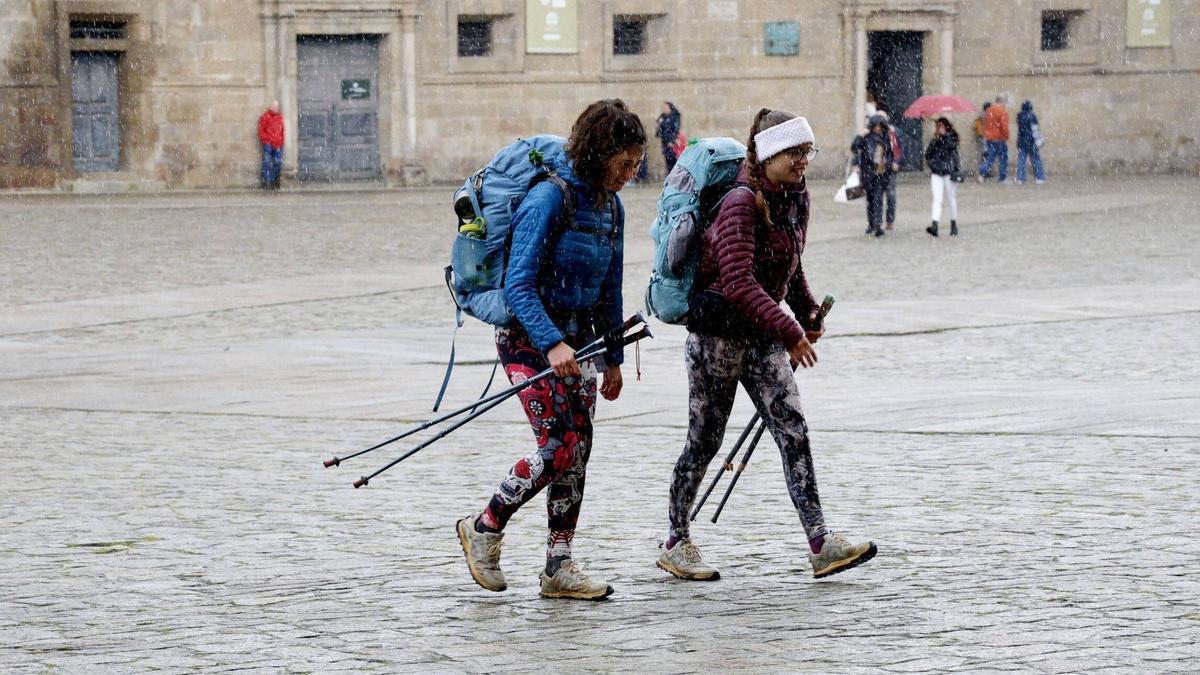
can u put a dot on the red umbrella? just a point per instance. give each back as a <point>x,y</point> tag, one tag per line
<point>928,106</point>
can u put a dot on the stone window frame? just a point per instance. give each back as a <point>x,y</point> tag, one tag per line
<point>130,48</point>
<point>507,46</point>
<point>1083,34</point>
<point>660,53</point>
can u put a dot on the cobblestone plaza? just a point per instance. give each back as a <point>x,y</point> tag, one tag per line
<point>1011,416</point>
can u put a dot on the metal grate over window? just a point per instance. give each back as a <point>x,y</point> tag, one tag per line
<point>474,37</point>
<point>1056,31</point>
<point>97,30</point>
<point>629,35</point>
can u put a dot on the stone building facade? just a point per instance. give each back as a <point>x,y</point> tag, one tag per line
<point>166,93</point>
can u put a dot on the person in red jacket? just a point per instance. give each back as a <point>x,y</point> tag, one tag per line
<point>750,260</point>
<point>270,134</point>
<point>995,135</point>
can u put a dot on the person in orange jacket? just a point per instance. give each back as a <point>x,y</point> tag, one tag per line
<point>270,134</point>
<point>995,134</point>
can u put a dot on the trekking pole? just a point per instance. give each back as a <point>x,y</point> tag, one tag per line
<point>634,337</point>
<point>613,335</point>
<point>826,305</point>
<point>738,474</point>
<point>727,465</point>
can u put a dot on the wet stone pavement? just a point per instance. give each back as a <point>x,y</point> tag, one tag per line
<point>1011,416</point>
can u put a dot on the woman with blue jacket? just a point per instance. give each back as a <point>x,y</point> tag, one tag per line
<point>563,286</point>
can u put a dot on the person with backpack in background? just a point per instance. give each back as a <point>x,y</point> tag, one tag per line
<point>1029,143</point>
<point>941,156</point>
<point>995,134</point>
<point>750,260</point>
<point>897,157</point>
<point>563,286</point>
<point>667,128</point>
<point>871,158</point>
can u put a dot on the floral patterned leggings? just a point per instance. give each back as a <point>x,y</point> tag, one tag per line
<point>715,366</point>
<point>560,411</point>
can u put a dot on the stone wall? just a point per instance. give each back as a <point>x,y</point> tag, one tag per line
<point>196,75</point>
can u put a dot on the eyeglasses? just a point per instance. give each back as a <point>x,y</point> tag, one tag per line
<point>796,154</point>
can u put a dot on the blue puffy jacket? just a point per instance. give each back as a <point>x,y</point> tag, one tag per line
<point>580,279</point>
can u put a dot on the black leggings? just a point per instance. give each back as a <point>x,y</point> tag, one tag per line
<point>715,366</point>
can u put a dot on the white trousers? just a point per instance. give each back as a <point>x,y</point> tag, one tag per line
<point>943,185</point>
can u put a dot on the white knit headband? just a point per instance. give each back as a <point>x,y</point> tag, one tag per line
<point>772,141</point>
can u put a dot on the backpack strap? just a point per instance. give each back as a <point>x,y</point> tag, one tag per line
<point>458,323</point>
<point>567,217</point>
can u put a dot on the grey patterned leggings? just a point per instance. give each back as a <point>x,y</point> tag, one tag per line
<point>715,366</point>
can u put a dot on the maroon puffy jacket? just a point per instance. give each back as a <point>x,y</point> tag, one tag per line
<point>747,266</point>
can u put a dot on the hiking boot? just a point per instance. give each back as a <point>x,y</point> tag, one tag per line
<point>953,228</point>
<point>482,550</point>
<point>932,229</point>
<point>838,555</point>
<point>684,561</point>
<point>570,582</point>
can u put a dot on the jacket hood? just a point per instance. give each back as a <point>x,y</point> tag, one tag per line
<point>1026,106</point>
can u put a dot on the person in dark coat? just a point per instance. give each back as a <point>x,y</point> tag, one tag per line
<point>941,156</point>
<point>872,159</point>
<point>889,195</point>
<point>667,129</point>
<point>1029,142</point>
<point>750,261</point>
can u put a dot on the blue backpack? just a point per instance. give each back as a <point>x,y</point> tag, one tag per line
<point>704,174</point>
<point>485,205</point>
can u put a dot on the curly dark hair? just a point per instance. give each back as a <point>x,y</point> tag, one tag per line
<point>765,119</point>
<point>603,130</point>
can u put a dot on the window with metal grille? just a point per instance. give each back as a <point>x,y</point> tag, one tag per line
<point>474,36</point>
<point>629,35</point>
<point>1056,30</point>
<point>97,30</point>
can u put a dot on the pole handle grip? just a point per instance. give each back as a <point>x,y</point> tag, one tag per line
<point>332,462</point>
<point>360,482</point>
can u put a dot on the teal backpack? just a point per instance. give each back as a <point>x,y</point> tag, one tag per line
<point>691,195</point>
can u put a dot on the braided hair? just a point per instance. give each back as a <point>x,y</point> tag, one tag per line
<point>603,130</point>
<point>765,119</point>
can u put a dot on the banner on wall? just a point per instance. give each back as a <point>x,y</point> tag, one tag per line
<point>1149,23</point>
<point>550,27</point>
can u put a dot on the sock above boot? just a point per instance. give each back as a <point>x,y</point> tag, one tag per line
<point>554,562</point>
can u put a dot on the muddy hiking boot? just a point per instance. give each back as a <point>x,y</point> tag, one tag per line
<point>838,554</point>
<point>482,550</point>
<point>571,582</point>
<point>684,561</point>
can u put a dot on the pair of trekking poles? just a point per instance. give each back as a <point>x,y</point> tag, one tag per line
<point>593,350</point>
<point>727,465</point>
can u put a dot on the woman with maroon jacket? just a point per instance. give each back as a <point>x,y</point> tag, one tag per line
<point>738,332</point>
